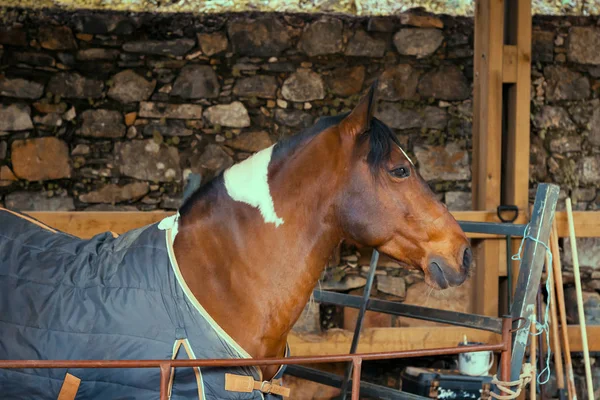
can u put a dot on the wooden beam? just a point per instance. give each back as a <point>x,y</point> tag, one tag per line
<point>575,342</point>
<point>509,67</point>
<point>337,341</point>
<point>587,223</point>
<point>487,141</point>
<point>89,223</point>
<point>86,224</point>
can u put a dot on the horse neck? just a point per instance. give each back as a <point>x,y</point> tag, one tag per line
<point>254,277</point>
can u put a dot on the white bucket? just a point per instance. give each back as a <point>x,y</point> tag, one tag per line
<point>475,363</point>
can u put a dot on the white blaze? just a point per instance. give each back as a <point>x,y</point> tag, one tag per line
<point>405,155</point>
<point>248,182</point>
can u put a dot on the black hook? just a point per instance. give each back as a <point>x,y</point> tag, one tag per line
<point>502,209</point>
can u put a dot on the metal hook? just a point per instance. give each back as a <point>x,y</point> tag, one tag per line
<point>524,321</point>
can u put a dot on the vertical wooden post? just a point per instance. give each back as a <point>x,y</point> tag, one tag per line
<point>487,142</point>
<point>515,185</point>
<point>500,167</point>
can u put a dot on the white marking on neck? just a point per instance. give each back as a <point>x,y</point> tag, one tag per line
<point>406,155</point>
<point>248,182</point>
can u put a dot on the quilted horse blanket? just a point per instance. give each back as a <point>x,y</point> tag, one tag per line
<point>109,297</point>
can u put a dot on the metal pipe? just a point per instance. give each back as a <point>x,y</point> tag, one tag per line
<point>356,364</point>
<point>506,355</point>
<point>360,318</point>
<point>246,361</point>
<point>165,372</point>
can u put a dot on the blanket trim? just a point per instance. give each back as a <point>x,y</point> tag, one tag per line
<point>29,219</point>
<point>190,353</point>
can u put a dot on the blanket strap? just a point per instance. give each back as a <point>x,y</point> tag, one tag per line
<point>69,388</point>
<point>246,384</point>
<point>178,344</point>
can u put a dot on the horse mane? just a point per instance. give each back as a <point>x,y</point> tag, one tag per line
<point>289,144</point>
<point>381,141</point>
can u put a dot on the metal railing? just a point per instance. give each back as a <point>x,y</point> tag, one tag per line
<point>165,366</point>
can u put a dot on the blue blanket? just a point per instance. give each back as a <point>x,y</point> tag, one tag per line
<point>62,297</point>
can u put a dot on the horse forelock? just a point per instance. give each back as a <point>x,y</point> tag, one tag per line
<point>381,142</point>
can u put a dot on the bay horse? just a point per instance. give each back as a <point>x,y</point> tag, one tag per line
<point>228,275</point>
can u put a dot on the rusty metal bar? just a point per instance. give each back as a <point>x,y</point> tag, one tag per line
<point>356,365</point>
<point>245,362</point>
<point>356,359</point>
<point>165,373</point>
<point>506,354</point>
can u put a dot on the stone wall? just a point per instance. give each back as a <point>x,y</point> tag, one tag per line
<point>565,146</point>
<point>105,112</point>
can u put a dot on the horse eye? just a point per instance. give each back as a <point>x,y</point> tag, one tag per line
<point>401,172</point>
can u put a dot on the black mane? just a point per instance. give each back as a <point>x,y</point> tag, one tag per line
<point>285,146</point>
<point>381,141</point>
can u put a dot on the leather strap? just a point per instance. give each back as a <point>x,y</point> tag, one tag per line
<point>69,388</point>
<point>246,384</point>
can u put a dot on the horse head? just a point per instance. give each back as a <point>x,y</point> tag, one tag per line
<point>387,205</point>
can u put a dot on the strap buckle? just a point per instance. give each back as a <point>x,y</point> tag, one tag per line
<point>246,384</point>
<point>262,387</point>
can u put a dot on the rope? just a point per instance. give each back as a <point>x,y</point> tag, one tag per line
<point>505,387</point>
<point>540,327</point>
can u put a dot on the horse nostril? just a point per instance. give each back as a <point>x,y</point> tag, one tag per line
<point>467,258</point>
<point>437,272</point>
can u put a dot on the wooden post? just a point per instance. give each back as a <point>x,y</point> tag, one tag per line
<point>560,301</point>
<point>558,363</point>
<point>487,142</point>
<point>500,164</point>
<point>580,310</point>
<point>515,182</point>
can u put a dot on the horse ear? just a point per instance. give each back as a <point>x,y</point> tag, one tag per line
<point>359,120</point>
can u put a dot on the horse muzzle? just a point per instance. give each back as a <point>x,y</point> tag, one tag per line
<point>445,276</point>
